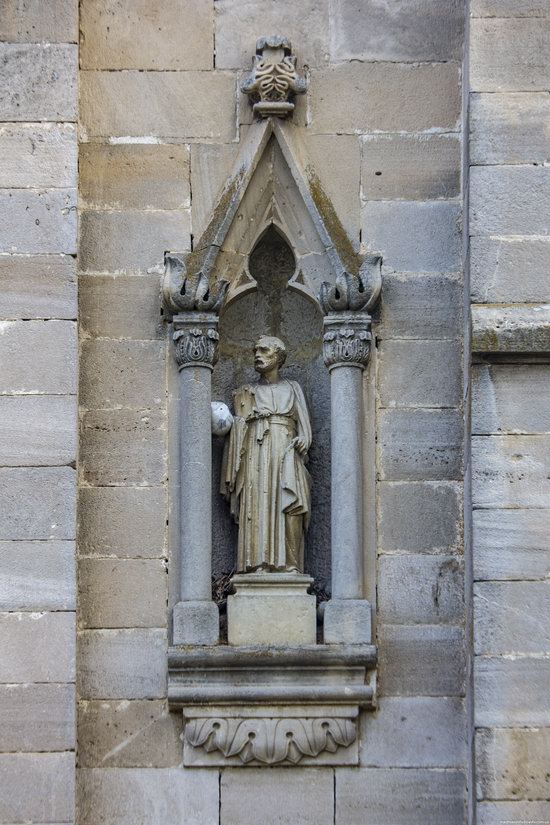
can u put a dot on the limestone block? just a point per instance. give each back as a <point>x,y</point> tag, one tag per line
<point>123,447</point>
<point>40,787</point>
<point>38,357</point>
<point>120,306</point>
<point>509,200</point>
<point>131,242</point>
<point>509,8</point>
<point>37,647</point>
<point>37,575</point>
<point>136,734</point>
<point>175,34</point>
<point>509,55</point>
<point>190,104</point>
<point>494,813</point>
<point>37,503</point>
<point>410,167</point>
<point>426,660</point>
<point>37,286</point>
<point>385,97</point>
<point>420,589</point>
<point>37,430</point>
<point>419,237</point>
<point>37,155</point>
<point>509,128</point>
<point>419,517</point>
<point>195,623</point>
<point>347,621</point>
<point>122,593</point>
<point>511,544</point>
<point>513,764</point>
<point>498,393</point>
<point>31,21</point>
<point>495,263</point>
<point>135,176</point>
<point>164,797</point>
<point>277,795</point>
<point>420,306</point>
<point>420,374</point>
<point>37,718</point>
<point>38,220</point>
<point>400,797</point>
<point>211,165</point>
<point>38,82</point>
<point>516,328</point>
<point>511,691</point>
<point>115,374</point>
<point>511,617</point>
<point>415,732</point>
<point>420,445</point>
<point>412,32</point>
<point>122,521</point>
<point>122,664</point>
<point>510,471</point>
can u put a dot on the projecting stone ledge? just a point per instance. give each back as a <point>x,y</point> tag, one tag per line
<point>508,329</point>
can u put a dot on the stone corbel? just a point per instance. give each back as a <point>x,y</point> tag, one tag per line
<point>273,81</point>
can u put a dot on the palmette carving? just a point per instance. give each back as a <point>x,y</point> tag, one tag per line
<point>345,345</point>
<point>197,346</point>
<point>270,741</point>
<point>273,80</point>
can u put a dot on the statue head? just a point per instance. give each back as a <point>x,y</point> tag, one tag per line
<point>269,352</point>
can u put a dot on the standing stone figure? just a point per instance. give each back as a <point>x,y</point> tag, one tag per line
<point>263,474</point>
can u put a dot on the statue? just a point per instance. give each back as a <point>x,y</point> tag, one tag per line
<point>264,476</point>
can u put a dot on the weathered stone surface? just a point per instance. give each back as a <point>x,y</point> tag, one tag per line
<point>37,503</point>
<point>37,286</point>
<point>170,797</point>
<point>120,306</point>
<point>512,617</point>
<point>509,128</point>
<point>511,544</point>
<point>513,764</point>
<point>28,21</point>
<point>37,647</point>
<point>509,55</point>
<point>37,430</point>
<point>123,447</point>
<point>496,262</point>
<point>187,104</point>
<point>134,176</point>
<point>130,34</point>
<point>195,623</point>
<point>414,237</point>
<point>115,374</point>
<point>420,374</point>
<point>510,471</point>
<point>420,588</point>
<point>511,691</point>
<point>37,718</point>
<point>510,200</point>
<point>420,445</point>
<point>38,220</point>
<point>302,795</point>
<point>511,328</point>
<point>385,97</point>
<point>37,155</point>
<point>419,517</point>
<point>399,797</point>
<point>40,787</point>
<point>38,82</point>
<point>420,306</point>
<point>122,664</point>
<point>37,575</point>
<point>509,8</point>
<point>496,391</point>
<point>212,164</point>
<point>426,660</point>
<point>415,732</point>
<point>347,621</point>
<point>130,242</point>
<point>37,357</point>
<point>495,813</point>
<point>410,167</point>
<point>122,593</point>
<point>137,734</point>
<point>122,521</point>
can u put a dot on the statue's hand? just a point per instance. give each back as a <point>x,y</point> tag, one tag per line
<point>300,445</point>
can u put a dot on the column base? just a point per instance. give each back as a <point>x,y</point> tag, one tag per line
<point>195,623</point>
<point>347,621</point>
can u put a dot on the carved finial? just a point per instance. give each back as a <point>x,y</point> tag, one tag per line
<point>190,293</point>
<point>273,81</point>
<point>354,293</point>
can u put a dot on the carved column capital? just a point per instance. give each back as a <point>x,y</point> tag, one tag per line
<point>196,339</point>
<point>346,340</point>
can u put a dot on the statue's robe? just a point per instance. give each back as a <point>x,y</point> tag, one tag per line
<point>264,477</point>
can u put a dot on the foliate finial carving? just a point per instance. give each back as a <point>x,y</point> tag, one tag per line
<point>196,340</point>
<point>190,293</point>
<point>354,293</point>
<point>273,81</point>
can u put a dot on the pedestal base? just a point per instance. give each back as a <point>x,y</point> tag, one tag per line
<point>271,609</point>
<point>347,621</point>
<point>196,623</point>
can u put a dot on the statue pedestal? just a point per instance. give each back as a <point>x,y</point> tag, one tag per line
<point>271,609</point>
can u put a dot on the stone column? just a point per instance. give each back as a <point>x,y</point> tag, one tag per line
<point>195,616</point>
<point>346,348</point>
